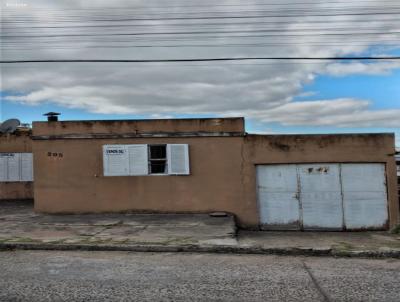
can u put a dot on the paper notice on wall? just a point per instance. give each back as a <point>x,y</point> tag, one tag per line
<point>116,160</point>
<point>26,167</point>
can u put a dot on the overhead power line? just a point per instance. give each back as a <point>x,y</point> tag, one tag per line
<point>277,32</point>
<point>302,3</point>
<point>207,24</point>
<point>391,58</point>
<point>191,13</point>
<point>106,12</point>
<point>233,17</point>
<point>254,45</point>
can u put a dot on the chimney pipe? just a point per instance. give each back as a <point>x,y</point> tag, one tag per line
<point>52,116</point>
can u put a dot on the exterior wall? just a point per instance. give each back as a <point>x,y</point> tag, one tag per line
<point>290,149</point>
<point>10,143</point>
<point>75,181</point>
<point>222,165</point>
<point>398,172</point>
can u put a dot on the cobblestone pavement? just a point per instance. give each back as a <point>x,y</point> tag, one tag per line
<point>126,276</point>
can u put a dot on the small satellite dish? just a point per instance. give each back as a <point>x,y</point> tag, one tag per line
<point>9,126</point>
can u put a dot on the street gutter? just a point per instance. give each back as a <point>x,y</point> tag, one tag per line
<point>219,249</point>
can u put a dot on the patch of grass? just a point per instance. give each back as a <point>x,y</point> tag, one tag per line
<point>22,240</point>
<point>111,225</point>
<point>395,230</point>
<point>93,240</point>
<point>30,240</point>
<point>60,228</point>
<point>174,240</point>
<point>344,246</point>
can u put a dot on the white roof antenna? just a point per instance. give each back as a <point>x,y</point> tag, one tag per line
<point>9,126</point>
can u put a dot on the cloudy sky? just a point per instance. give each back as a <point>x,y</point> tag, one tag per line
<point>275,96</point>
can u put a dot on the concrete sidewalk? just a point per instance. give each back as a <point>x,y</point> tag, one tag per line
<point>19,224</point>
<point>346,244</point>
<point>21,228</point>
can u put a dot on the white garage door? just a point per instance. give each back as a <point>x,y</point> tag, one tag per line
<point>364,196</point>
<point>277,189</point>
<point>322,196</point>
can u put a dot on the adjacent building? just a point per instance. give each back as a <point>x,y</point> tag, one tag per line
<point>16,176</point>
<point>398,171</point>
<point>280,182</point>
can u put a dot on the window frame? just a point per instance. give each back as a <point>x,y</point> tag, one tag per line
<point>150,160</point>
<point>128,159</point>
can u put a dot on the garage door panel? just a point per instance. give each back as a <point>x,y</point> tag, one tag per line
<point>367,197</point>
<point>364,210</point>
<point>319,178</point>
<point>277,178</point>
<point>321,196</point>
<point>322,210</point>
<point>277,194</point>
<point>279,210</point>
<point>364,196</point>
<point>363,177</point>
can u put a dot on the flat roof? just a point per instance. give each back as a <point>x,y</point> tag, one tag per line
<point>324,134</point>
<point>142,127</point>
<point>146,120</point>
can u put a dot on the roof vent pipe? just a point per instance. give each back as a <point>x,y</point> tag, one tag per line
<point>52,116</point>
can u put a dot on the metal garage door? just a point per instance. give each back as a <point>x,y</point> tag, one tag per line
<point>277,193</point>
<point>322,196</point>
<point>364,196</point>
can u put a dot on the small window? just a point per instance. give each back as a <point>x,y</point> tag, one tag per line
<point>143,159</point>
<point>158,159</point>
<point>15,167</point>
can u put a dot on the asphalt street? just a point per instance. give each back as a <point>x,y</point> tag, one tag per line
<point>128,276</point>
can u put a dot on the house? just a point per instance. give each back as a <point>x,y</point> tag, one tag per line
<point>397,156</point>
<point>16,173</point>
<point>301,182</point>
<point>273,182</point>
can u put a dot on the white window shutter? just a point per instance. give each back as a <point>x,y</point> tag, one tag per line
<point>178,159</point>
<point>26,167</point>
<point>14,167</point>
<point>138,160</point>
<point>115,160</point>
<point>3,167</point>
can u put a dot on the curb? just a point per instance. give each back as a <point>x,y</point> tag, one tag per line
<point>223,249</point>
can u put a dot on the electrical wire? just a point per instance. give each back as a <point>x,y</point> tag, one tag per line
<point>383,58</point>
<point>233,17</point>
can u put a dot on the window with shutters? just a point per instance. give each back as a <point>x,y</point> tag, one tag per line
<point>16,167</point>
<point>154,159</point>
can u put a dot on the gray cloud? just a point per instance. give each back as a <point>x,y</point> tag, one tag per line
<point>338,113</point>
<point>263,91</point>
<point>379,68</point>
